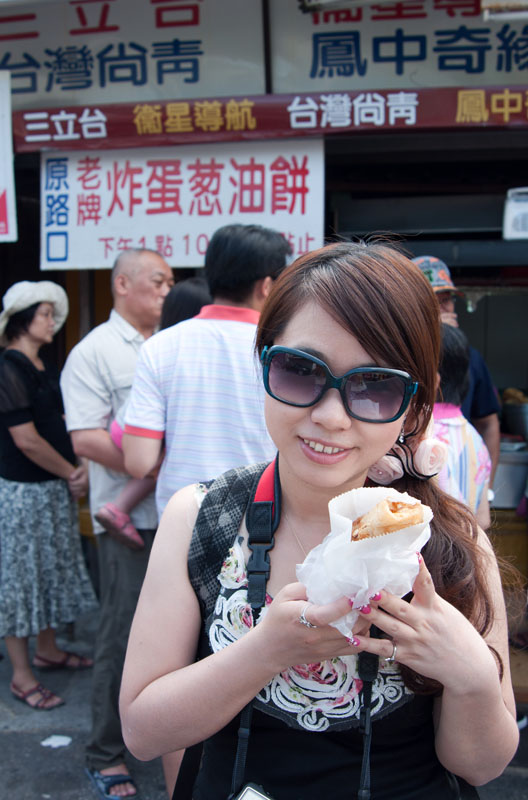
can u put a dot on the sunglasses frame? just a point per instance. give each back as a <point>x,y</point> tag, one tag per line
<point>337,382</point>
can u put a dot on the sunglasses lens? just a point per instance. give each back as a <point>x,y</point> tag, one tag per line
<point>375,396</point>
<point>295,379</point>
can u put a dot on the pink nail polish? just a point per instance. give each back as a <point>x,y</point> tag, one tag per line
<point>365,609</point>
<point>353,642</point>
<point>351,602</point>
<point>420,559</point>
<point>376,596</point>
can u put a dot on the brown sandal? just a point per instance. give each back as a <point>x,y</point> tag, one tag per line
<point>45,696</point>
<point>66,662</point>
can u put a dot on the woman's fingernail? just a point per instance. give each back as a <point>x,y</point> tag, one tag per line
<point>351,602</point>
<point>376,596</point>
<point>420,559</point>
<point>365,609</point>
<point>353,641</point>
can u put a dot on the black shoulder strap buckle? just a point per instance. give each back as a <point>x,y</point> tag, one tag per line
<point>262,520</point>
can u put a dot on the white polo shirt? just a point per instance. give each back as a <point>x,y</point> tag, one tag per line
<point>198,385</point>
<point>95,382</point>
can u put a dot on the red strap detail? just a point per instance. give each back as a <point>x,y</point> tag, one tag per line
<point>266,485</point>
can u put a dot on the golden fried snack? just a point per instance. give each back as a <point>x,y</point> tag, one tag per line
<point>386,516</point>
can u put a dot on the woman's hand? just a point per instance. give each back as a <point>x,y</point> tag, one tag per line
<point>289,642</point>
<point>430,636</point>
<point>78,482</point>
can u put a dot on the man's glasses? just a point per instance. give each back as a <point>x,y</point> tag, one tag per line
<point>370,394</point>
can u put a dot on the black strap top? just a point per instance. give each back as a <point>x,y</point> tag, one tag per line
<point>305,742</point>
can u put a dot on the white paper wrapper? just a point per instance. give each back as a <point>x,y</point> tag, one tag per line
<point>359,569</point>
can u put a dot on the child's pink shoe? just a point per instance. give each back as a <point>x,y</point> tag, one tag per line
<point>119,526</point>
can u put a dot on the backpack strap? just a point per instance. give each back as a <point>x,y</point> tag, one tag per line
<point>262,520</point>
<point>368,664</point>
<point>216,528</point>
<point>217,525</point>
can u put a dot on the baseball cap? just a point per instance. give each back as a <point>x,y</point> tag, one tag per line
<point>437,273</point>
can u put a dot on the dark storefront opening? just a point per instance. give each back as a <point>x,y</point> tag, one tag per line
<point>443,194</point>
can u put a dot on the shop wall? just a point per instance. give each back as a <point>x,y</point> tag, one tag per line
<point>355,77</point>
<point>499,329</point>
<point>444,196</point>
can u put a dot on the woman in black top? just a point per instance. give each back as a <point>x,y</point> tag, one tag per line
<point>349,341</point>
<point>43,578</point>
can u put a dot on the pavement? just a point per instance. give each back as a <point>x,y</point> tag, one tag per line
<point>30,770</point>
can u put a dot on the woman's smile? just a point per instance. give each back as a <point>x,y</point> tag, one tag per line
<point>322,453</point>
<point>323,448</point>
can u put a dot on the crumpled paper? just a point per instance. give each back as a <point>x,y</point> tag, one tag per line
<point>359,569</point>
<point>56,740</point>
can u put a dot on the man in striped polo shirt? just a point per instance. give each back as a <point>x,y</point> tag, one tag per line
<point>197,392</point>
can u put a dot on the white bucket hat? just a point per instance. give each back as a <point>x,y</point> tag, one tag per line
<point>25,293</point>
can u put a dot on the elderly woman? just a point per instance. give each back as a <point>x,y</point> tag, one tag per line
<point>43,578</point>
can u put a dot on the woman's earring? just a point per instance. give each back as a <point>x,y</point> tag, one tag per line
<point>401,438</point>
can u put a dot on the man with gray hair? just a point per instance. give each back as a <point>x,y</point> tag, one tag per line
<point>95,382</point>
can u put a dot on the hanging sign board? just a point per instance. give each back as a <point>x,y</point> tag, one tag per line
<point>105,51</point>
<point>406,45</point>
<point>229,119</point>
<point>8,225</point>
<point>94,205</point>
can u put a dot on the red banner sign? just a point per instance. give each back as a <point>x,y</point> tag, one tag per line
<point>103,127</point>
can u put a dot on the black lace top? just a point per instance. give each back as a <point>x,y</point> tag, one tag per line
<point>304,742</point>
<point>30,395</point>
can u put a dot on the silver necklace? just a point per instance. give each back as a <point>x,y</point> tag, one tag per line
<point>287,521</point>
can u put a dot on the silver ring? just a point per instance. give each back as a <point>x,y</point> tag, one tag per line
<point>392,656</point>
<point>303,620</point>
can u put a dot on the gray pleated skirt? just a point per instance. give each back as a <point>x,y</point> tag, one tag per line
<point>43,577</point>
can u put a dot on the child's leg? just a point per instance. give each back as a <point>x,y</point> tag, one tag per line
<point>114,516</point>
<point>134,491</point>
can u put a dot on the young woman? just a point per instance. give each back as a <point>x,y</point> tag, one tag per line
<point>43,577</point>
<point>442,702</point>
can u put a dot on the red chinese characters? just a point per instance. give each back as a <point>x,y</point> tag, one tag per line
<point>93,17</point>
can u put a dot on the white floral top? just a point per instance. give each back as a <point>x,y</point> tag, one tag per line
<point>314,697</point>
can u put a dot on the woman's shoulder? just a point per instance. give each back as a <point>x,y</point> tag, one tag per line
<point>185,501</point>
<point>16,362</point>
<point>224,500</point>
<point>10,356</point>
<point>18,379</point>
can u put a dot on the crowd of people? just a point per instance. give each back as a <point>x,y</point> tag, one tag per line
<point>210,423</point>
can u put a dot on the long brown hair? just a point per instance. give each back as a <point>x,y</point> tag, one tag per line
<point>384,301</point>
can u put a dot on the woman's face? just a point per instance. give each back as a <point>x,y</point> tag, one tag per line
<point>300,433</point>
<point>42,325</point>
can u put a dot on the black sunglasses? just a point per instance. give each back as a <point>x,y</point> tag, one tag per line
<point>370,394</point>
